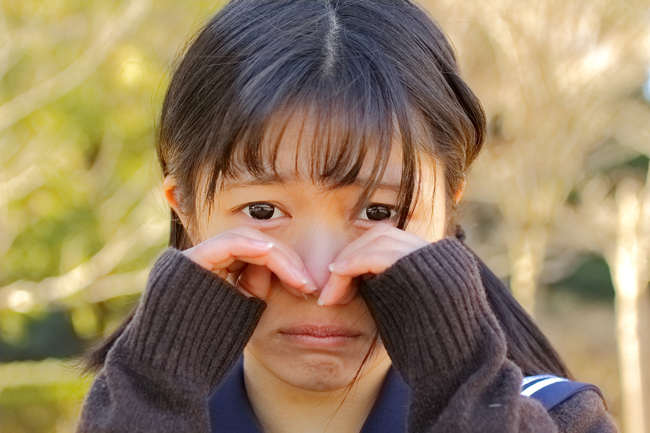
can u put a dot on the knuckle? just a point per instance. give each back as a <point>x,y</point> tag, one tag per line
<point>384,238</point>
<point>377,255</point>
<point>357,260</point>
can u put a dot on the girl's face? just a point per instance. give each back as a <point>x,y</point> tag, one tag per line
<point>317,224</point>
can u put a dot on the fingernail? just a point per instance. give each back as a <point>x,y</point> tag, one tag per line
<point>337,265</point>
<point>304,296</point>
<point>308,285</point>
<point>299,274</point>
<point>323,295</point>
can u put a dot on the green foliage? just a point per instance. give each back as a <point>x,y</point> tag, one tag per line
<point>45,335</point>
<point>77,172</point>
<point>590,281</point>
<point>41,409</point>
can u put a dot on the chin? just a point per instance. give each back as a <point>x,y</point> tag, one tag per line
<point>317,372</point>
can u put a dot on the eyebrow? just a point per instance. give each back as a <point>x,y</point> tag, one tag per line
<point>267,179</point>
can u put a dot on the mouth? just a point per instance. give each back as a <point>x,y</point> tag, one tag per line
<point>314,336</point>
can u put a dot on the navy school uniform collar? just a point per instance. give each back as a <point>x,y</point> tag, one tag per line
<point>231,411</point>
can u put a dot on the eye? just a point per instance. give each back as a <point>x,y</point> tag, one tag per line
<point>378,212</point>
<point>262,211</point>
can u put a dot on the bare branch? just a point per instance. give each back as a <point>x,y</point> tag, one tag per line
<point>75,74</point>
<point>134,234</point>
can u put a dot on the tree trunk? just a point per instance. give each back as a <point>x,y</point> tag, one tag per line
<point>526,249</point>
<point>627,269</point>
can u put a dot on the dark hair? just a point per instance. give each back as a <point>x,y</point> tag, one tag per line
<point>363,73</point>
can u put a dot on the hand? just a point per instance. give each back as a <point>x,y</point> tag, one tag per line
<point>253,257</point>
<point>372,253</point>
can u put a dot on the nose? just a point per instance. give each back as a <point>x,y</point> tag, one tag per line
<point>318,246</point>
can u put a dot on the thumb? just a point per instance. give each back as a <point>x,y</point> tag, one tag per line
<point>255,281</point>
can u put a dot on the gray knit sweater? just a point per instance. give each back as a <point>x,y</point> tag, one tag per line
<point>433,317</point>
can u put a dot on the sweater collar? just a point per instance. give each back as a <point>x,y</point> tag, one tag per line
<point>231,411</point>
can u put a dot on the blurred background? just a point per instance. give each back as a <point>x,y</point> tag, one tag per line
<point>558,203</point>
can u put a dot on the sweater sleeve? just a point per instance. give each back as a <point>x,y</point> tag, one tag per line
<point>442,336</point>
<point>583,413</point>
<point>188,330</point>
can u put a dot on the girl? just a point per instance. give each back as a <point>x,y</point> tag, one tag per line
<point>314,155</point>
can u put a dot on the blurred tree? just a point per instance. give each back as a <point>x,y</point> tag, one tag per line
<point>561,82</point>
<point>631,272</point>
<point>80,219</point>
<point>552,75</point>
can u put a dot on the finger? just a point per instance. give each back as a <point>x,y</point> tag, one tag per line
<point>335,290</point>
<point>296,260</point>
<point>293,291</point>
<point>351,293</point>
<point>388,233</point>
<point>235,266</point>
<point>231,265</point>
<point>243,291</point>
<point>223,252</point>
<point>256,280</point>
<point>223,273</point>
<point>379,231</point>
<point>214,253</point>
<point>281,265</point>
<point>256,234</point>
<point>368,261</point>
<point>234,276</point>
<point>389,249</point>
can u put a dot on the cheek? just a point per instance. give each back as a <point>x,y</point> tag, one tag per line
<point>429,219</point>
<point>431,212</point>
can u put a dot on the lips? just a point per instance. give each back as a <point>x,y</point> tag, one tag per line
<point>319,336</point>
<point>320,331</point>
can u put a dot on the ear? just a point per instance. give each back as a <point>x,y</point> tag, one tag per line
<point>461,191</point>
<point>169,191</point>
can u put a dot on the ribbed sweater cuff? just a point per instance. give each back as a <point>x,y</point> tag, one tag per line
<point>433,314</point>
<point>190,322</point>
